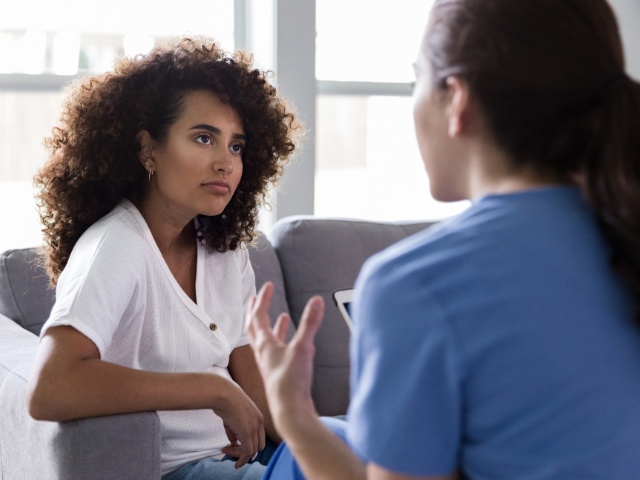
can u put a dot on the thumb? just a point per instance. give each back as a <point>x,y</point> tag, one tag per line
<point>230,435</point>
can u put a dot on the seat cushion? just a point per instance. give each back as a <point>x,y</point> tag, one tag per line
<point>319,256</point>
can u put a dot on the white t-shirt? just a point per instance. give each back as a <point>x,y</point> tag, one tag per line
<point>118,291</point>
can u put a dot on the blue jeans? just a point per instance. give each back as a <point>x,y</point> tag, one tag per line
<point>212,469</point>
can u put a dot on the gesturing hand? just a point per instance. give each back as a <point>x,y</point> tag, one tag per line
<point>286,369</point>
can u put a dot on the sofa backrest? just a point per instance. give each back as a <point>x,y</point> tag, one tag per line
<point>24,295</point>
<point>26,299</point>
<point>266,267</point>
<point>319,256</point>
<point>303,256</point>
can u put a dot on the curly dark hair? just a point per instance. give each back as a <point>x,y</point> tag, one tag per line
<point>93,152</point>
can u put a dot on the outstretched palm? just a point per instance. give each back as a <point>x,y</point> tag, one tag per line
<point>287,369</point>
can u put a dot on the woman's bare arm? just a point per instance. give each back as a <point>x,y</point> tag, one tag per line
<point>244,370</point>
<point>70,381</point>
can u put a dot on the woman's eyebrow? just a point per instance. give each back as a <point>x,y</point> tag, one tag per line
<point>217,131</point>
<point>204,126</point>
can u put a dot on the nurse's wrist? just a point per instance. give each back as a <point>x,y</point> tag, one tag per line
<point>295,417</point>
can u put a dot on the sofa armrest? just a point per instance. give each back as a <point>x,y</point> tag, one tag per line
<point>114,447</point>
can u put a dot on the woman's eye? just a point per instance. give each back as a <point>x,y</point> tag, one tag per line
<point>237,148</point>
<point>206,139</point>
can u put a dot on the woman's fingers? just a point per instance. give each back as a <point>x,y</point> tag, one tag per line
<point>242,460</point>
<point>262,440</point>
<point>244,425</point>
<point>281,327</point>
<point>310,321</point>
<point>242,451</point>
<point>246,450</point>
<point>230,435</point>
<point>259,313</point>
<point>263,301</point>
<point>232,450</point>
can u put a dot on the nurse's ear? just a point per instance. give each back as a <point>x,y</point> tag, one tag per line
<point>145,154</point>
<point>459,110</point>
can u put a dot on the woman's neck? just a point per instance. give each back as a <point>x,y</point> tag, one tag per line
<point>491,171</point>
<point>172,229</point>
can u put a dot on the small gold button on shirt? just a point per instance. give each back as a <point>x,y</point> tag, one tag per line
<point>213,327</point>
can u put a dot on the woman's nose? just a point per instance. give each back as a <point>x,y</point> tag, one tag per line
<point>223,163</point>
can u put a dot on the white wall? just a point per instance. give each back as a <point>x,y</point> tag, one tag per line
<point>628,13</point>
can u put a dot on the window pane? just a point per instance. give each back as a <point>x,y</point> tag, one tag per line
<point>25,119</point>
<point>368,40</point>
<point>67,37</point>
<point>367,162</point>
<point>64,36</point>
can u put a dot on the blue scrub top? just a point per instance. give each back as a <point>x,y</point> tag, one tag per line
<point>500,343</point>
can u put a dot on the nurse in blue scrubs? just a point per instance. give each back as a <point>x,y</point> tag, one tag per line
<point>505,342</point>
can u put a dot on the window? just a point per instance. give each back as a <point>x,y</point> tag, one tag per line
<point>45,44</point>
<point>25,119</point>
<point>367,160</point>
<point>369,40</point>
<point>63,37</point>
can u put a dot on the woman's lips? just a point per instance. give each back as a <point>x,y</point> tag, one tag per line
<point>219,186</point>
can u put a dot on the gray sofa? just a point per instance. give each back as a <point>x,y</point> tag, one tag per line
<point>303,256</point>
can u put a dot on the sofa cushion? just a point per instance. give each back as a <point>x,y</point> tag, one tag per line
<point>24,294</point>
<point>319,256</point>
<point>266,267</point>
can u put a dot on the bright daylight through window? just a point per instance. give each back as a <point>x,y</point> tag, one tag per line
<point>40,40</point>
<point>367,160</point>
<point>367,163</point>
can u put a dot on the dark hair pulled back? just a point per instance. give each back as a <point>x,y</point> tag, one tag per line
<point>550,78</point>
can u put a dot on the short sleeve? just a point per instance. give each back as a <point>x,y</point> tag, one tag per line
<point>248,290</point>
<point>97,285</point>
<point>405,410</point>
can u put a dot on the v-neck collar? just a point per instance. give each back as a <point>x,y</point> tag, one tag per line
<point>196,308</point>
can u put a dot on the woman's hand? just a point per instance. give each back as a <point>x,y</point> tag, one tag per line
<point>287,370</point>
<point>243,423</point>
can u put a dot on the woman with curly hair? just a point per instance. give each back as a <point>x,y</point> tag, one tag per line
<point>153,185</point>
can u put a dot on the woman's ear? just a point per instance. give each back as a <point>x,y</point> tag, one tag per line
<point>459,109</point>
<point>145,155</point>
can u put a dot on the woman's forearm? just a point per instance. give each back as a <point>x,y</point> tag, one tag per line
<point>94,388</point>
<point>66,386</point>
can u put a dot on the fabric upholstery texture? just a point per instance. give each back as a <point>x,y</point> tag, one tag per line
<point>24,296</point>
<point>102,448</point>
<point>266,267</point>
<point>317,257</point>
